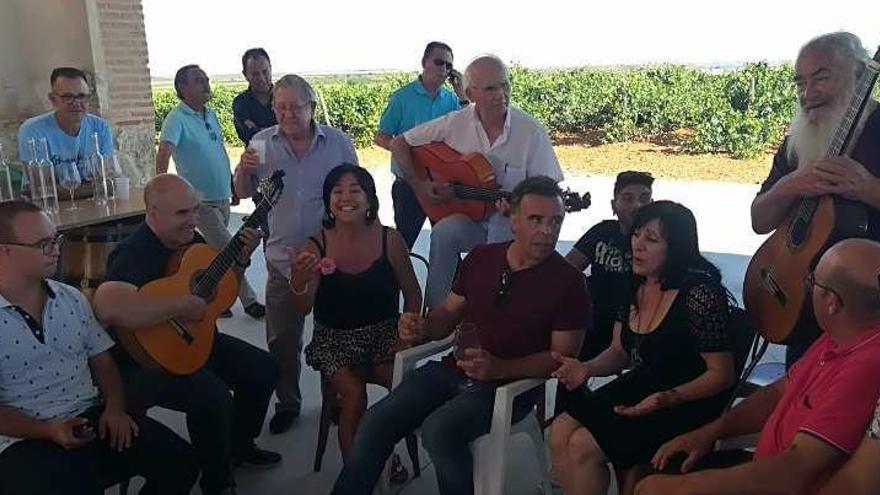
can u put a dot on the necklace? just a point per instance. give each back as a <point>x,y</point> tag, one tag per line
<point>639,332</point>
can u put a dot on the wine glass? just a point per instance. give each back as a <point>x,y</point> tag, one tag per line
<point>114,170</point>
<point>68,177</point>
<point>467,336</point>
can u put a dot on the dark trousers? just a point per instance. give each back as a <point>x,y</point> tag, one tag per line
<point>220,423</point>
<point>38,467</point>
<point>408,215</point>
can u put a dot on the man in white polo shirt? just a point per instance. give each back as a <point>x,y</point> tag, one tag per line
<point>515,144</point>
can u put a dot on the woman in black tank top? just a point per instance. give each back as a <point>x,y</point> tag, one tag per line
<point>352,273</point>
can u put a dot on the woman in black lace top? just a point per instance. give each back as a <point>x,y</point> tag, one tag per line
<point>676,343</point>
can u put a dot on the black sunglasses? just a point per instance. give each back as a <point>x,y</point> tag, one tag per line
<point>503,286</point>
<point>439,62</point>
<point>211,133</point>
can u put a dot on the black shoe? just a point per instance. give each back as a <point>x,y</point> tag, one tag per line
<point>282,421</point>
<point>256,458</point>
<point>255,310</point>
<point>226,314</point>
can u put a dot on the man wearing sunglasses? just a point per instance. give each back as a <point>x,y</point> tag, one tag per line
<point>69,127</point>
<point>812,419</point>
<point>191,134</point>
<point>64,425</point>
<point>529,306</point>
<point>415,103</point>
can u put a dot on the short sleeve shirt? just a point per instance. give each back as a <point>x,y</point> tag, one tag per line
<point>830,394</point>
<point>64,148</point>
<point>551,296</point>
<point>49,377</point>
<point>411,105</point>
<point>609,253</point>
<point>199,152</point>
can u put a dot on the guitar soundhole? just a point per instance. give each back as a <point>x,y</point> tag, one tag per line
<point>205,291</point>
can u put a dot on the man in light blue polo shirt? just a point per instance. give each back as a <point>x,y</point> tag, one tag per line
<point>69,128</point>
<point>418,102</point>
<point>191,134</point>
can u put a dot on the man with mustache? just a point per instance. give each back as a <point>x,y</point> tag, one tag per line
<point>826,70</point>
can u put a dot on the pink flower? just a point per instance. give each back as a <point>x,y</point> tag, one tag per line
<point>327,266</point>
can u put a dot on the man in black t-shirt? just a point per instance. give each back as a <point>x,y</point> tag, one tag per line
<point>222,426</point>
<point>826,70</point>
<point>606,249</point>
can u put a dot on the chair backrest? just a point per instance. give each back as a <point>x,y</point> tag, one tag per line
<point>419,257</point>
<point>748,349</point>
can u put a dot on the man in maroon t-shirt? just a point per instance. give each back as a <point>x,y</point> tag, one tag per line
<point>812,419</point>
<point>526,301</point>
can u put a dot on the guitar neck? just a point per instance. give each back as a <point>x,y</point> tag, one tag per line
<point>224,259</point>
<point>473,193</point>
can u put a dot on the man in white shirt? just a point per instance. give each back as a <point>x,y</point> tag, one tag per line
<point>514,143</point>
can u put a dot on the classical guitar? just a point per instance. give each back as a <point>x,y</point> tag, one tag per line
<point>775,296</point>
<point>182,347</point>
<point>472,180</point>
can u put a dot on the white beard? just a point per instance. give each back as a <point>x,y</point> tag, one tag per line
<point>810,141</point>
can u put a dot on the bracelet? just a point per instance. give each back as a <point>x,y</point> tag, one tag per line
<point>299,293</point>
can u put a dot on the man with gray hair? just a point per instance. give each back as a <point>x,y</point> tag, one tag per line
<point>826,70</point>
<point>191,133</point>
<point>306,151</point>
<point>514,143</point>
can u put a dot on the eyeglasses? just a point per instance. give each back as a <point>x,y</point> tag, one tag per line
<point>69,99</point>
<point>292,107</point>
<point>439,62</point>
<point>47,246</point>
<point>503,286</point>
<point>810,282</point>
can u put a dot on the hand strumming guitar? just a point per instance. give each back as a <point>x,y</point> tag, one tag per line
<point>435,191</point>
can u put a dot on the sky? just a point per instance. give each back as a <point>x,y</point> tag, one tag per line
<point>332,36</point>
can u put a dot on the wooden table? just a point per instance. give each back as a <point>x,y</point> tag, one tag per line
<point>91,214</point>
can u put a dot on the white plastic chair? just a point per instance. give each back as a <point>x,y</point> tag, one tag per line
<point>490,450</point>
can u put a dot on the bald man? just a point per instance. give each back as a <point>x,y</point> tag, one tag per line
<point>222,426</point>
<point>814,417</point>
<point>515,144</point>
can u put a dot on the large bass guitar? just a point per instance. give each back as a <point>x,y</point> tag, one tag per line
<point>182,347</point>
<point>776,299</point>
<point>472,180</point>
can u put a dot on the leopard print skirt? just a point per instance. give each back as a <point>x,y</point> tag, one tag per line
<point>335,348</point>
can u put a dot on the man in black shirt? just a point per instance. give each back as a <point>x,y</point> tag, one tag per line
<point>252,108</point>
<point>606,249</point>
<point>222,426</point>
<point>825,74</point>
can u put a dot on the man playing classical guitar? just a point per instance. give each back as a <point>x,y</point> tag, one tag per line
<point>825,73</point>
<point>222,426</point>
<point>515,144</point>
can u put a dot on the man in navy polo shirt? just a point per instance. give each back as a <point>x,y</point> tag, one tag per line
<point>51,409</point>
<point>418,102</point>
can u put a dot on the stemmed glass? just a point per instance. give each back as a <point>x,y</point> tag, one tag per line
<point>68,178</point>
<point>114,170</point>
<point>467,336</point>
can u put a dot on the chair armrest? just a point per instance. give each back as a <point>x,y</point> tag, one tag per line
<point>406,360</point>
<point>502,414</point>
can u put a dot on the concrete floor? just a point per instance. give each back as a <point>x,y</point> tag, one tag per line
<point>722,211</point>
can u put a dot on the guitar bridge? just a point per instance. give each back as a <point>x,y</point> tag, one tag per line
<point>182,332</point>
<point>773,287</point>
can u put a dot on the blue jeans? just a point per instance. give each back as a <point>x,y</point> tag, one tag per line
<point>450,420</point>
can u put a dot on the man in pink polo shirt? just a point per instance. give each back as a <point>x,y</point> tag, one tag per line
<point>813,418</point>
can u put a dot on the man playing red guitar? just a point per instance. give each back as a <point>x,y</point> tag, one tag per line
<point>825,73</point>
<point>514,143</point>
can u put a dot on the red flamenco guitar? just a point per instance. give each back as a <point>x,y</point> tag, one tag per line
<point>775,296</point>
<point>179,347</point>
<point>472,180</point>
